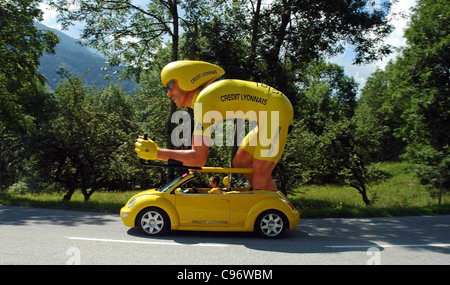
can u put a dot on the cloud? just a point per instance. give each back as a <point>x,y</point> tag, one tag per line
<point>50,19</point>
<point>50,16</point>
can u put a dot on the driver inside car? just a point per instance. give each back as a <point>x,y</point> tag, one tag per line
<point>214,183</point>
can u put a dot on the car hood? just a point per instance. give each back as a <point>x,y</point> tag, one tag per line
<point>149,192</point>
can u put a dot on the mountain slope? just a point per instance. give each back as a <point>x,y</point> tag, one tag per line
<point>77,60</point>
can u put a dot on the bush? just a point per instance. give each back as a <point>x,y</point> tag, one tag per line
<point>19,188</point>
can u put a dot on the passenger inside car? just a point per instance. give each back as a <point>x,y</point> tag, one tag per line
<point>214,183</point>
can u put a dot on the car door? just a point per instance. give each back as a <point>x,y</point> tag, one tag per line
<point>203,210</point>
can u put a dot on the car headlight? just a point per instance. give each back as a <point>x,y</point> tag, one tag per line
<point>131,203</point>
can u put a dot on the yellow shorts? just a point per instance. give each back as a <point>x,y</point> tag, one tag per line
<point>268,152</point>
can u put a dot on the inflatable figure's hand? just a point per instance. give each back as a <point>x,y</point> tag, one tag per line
<point>146,149</point>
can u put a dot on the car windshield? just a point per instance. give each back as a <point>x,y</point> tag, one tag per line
<point>168,186</point>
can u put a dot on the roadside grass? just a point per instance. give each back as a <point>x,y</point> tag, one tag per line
<point>102,201</point>
<point>398,194</point>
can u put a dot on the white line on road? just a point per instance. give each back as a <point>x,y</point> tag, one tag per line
<point>225,245</point>
<point>148,242</point>
<point>391,245</point>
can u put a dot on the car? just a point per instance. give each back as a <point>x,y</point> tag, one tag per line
<point>179,207</point>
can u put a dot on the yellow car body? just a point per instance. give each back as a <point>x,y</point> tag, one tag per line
<point>235,209</point>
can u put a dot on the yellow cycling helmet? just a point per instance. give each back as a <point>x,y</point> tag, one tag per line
<point>190,74</point>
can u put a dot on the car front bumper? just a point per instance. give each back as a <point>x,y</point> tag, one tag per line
<point>127,216</point>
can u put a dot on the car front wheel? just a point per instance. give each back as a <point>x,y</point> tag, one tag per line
<point>153,221</point>
<point>270,224</point>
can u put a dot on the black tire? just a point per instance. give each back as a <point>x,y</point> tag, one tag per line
<point>153,221</point>
<point>271,224</point>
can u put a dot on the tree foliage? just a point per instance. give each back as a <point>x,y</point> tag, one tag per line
<point>330,142</point>
<point>24,103</point>
<point>21,45</point>
<point>427,127</point>
<point>413,100</point>
<point>86,146</point>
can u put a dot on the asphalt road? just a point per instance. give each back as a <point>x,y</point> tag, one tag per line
<point>46,236</point>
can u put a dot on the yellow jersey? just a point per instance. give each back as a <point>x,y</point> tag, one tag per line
<point>251,101</point>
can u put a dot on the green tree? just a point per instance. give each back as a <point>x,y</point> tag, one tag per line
<point>127,33</point>
<point>411,99</point>
<point>24,102</point>
<point>428,38</point>
<point>330,143</point>
<point>329,95</point>
<point>219,35</point>
<point>379,108</point>
<point>21,45</point>
<point>87,144</point>
<point>274,43</point>
<point>427,127</point>
<point>292,33</point>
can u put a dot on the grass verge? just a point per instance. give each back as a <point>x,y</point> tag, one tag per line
<point>109,202</point>
<point>399,194</point>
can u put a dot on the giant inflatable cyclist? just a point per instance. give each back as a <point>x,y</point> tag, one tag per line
<point>191,84</point>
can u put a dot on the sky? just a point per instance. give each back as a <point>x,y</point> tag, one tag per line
<point>359,72</point>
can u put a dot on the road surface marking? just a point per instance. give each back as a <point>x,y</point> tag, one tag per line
<point>148,242</point>
<point>391,245</point>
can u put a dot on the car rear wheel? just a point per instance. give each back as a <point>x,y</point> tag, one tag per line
<point>270,224</point>
<point>153,221</point>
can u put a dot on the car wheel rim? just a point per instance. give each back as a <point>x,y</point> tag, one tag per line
<point>152,222</point>
<point>271,225</point>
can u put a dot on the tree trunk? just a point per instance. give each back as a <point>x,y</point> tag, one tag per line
<point>71,184</point>
<point>251,64</point>
<point>87,194</point>
<point>276,71</point>
<point>175,37</point>
<point>362,190</point>
<point>69,194</point>
<point>364,197</point>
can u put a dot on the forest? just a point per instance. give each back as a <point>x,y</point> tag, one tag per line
<point>80,138</point>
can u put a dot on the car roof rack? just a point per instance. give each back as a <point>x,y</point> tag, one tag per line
<point>172,163</point>
<point>178,164</point>
<point>223,170</point>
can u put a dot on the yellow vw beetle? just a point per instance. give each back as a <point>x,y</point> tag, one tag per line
<point>177,206</point>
